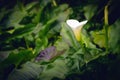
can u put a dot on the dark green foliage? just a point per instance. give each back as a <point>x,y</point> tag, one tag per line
<point>37,44</point>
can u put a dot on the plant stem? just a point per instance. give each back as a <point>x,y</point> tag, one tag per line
<point>26,43</point>
<point>54,3</point>
<point>106,26</point>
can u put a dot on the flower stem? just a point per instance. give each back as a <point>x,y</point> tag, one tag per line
<point>106,26</point>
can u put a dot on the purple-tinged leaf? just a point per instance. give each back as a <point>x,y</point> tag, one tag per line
<point>47,54</point>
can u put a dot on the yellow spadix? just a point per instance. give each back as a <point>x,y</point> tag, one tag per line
<point>76,27</point>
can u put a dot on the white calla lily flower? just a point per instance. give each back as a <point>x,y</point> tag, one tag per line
<point>76,27</point>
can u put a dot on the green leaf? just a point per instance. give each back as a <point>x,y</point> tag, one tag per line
<point>62,12</point>
<point>61,45</point>
<point>30,5</point>
<point>114,34</point>
<point>58,70</point>
<point>41,44</point>
<point>47,27</point>
<point>29,71</point>
<point>99,38</point>
<point>90,11</point>
<point>26,29</point>
<point>17,58</point>
<point>86,39</point>
<point>42,4</point>
<point>69,37</point>
<point>17,33</point>
<point>16,16</point>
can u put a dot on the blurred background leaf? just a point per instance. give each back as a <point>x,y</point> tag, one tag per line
<point>28,71</point>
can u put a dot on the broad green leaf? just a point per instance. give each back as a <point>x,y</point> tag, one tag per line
<point>26,29</point>
<point>58,70</point>
<point>29,71</point>
<point>61,45</point>
<point>91,54</point>
<point>99,38</point>
<point>90,11</point>
<point>62,12</point>
<point>42,4</point>
<point>16,16</point>
<point>17,58</point>
<point>17,33</point>
<point>47,27</point>
<point>76,60</point>
<point>69,37</point>
<point>114,40</point>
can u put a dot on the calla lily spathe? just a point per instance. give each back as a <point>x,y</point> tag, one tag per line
<point>76,27</point>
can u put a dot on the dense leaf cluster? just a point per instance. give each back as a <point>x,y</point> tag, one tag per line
<point>37,44</point>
